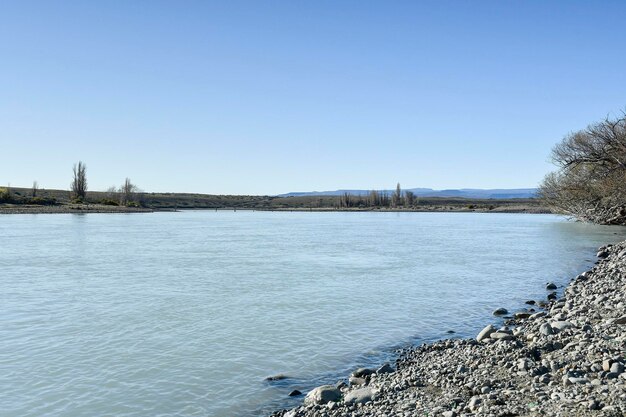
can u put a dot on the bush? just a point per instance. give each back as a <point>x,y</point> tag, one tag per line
<point>77,200</point>
<point>109,202</point>
<point>42,201</point>
<point>5,196</point>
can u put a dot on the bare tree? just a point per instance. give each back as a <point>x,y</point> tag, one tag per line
<point>396,198</point>
<point>373,199</point>
<point>346,200</point>
<point>79,183</point>
<point>111,192</point>
<point>127,191</point>
<point>589,184</point>
<point>35,188</point>
<point>409,198</point>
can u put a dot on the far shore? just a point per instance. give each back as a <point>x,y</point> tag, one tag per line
<point>60,201</point>
<point>69,208</point>
<point>104,209</point>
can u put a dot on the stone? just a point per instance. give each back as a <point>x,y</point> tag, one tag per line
<point>523,365</point>
<point>561,325</point>
<point>621,320</point>
<point>278,377</point>
<point>485,333</point>
<point>362,372</point>
<point>385,369</point>
<point>546,329</point>
<point>356,381</point>
<point>550,286</point>
<point>359,396</point>
<point>593,404</point>
<point>500,311</point>
<point>295,393</point>
<point>498,335</point>
<point>578,380</point>
<point>474,403</point>
<point>617,368</point>
<point>449,413</point>
<point>322,395</point>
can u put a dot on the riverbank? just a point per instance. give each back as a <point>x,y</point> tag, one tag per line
<point>516,209</point>
<point>185,201</point>
<point>101,208</point>
<point>69,208</point>
<point>565,359</point>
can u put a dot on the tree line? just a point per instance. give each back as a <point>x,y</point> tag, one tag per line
<point>126,194</point>
<point>590,182</point>
<point>382,199</point>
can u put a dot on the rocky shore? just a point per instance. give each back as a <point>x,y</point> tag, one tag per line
<point>564,356</point>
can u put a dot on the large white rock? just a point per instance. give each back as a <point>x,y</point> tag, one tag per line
<point>323,394</point>
<point>561,325</point>
<point>360,396</point>
<point>485,333</point>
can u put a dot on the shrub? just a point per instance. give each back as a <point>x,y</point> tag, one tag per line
<point>5,196</point>
<point>42,201</point>
<point>109,202</point>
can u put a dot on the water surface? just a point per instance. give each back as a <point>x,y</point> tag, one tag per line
<point>186,313</point>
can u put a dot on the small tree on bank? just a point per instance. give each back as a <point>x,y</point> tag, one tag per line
<point>127,192</point>
<point>396,198</point>
<point>79,183</point>
<point>409,198</point>
<point>590,183</point>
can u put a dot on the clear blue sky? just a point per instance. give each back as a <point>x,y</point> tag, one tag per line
<point>264,97</point>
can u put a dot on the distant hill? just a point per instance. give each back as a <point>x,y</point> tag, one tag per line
<point>429,192</point>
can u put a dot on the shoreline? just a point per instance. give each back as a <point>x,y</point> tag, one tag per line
<point>71,209</point>
<point>565,358</point>
<point>104,209</point>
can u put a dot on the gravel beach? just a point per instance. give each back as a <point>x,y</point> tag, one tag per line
<point>565,358</point>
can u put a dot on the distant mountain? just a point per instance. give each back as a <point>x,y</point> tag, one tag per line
<point>429,192</point>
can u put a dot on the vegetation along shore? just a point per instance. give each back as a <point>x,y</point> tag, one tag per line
<point>20,200</point>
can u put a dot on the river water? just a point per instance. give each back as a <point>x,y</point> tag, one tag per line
<point>186,313</point>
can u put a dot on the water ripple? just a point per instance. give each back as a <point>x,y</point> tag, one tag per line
<point>186,313</point>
